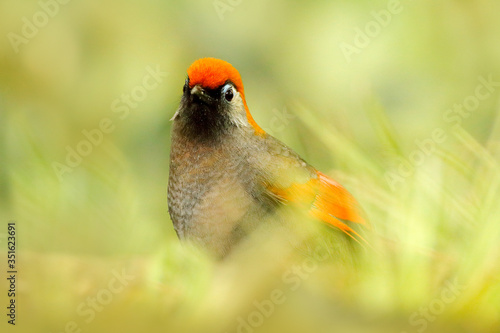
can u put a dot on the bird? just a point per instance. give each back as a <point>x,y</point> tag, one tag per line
<point>227,174</point>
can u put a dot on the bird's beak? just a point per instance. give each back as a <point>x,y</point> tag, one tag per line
<point>200,93</point>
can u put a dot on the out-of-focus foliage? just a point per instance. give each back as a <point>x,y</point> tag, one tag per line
<point>370,108</point>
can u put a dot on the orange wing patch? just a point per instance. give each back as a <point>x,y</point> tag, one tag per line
<point>336,200</point>
<point>302,194</point>
<point>329,202</point>
<point>333,202</point>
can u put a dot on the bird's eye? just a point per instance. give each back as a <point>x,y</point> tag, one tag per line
<point>228,92</point>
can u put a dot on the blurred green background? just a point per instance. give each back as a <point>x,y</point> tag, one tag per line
<point>350,85</point>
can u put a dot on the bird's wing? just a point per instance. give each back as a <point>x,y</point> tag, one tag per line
<point>336,206</point>
<point>294,181</point>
